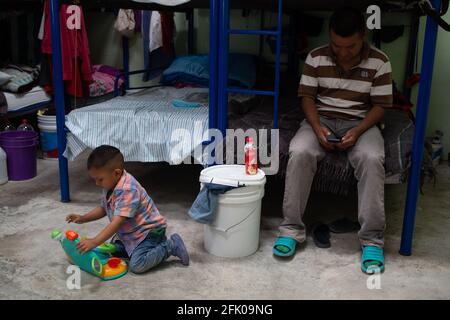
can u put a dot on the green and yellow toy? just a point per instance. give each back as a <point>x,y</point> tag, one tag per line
<point>98,261</point>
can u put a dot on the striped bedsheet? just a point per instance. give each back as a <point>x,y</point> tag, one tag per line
<point>142,125</point>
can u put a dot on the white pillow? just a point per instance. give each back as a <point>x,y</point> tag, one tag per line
<point>4,78</point>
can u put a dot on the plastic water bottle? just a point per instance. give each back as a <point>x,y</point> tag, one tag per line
<point>3,168</point>
<point>251,161</point>
<point>9,127</point>
<point>25,126</point>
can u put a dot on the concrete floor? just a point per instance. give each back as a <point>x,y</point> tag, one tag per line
<point>32,266</point>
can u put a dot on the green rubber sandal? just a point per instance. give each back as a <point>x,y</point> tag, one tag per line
<point>372,259</point>
<point>284,247</point>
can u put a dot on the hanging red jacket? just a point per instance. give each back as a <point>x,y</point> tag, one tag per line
<point>168,31</point>
<point>76,64</point>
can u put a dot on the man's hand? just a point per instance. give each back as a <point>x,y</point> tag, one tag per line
<point>349,139</point>
<point>75,218</point>
<point>322,133</point>
<point>86,245</point>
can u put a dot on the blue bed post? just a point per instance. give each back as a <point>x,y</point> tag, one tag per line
<point>213,68</point>
<point>126,61</point>
<point>58,87</point>
<point>429,51</point>
<point>222,90</point>
<point>213,61</point>
<point>277,64</point>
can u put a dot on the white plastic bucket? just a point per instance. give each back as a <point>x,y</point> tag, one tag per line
<point>47,128</point>
<point>234,232</point>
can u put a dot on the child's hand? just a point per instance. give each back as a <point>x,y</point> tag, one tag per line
<point>75,218</point>
<point>86,245</point>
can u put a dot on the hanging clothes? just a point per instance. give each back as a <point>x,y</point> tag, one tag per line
<point>155,57</point>
<point>125,23</point>
<point>168,31</point>
<point>137,20</point>
<point>156,40</point>
<point>76,64</point>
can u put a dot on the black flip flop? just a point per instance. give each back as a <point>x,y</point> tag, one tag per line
<point>344,225</point>
<point>321,235</point>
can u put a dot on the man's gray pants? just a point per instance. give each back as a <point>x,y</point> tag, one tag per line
<point>367,159</point>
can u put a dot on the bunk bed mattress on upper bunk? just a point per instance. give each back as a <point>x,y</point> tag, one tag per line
<point>145,126</point>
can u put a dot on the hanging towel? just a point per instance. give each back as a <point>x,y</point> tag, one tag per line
<point>203,209</point>
<point>125,23</point>
<point>156,39</point>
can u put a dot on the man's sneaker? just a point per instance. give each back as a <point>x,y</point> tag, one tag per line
<point>179,249</point>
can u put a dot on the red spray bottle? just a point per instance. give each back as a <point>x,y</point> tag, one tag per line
<point>251,161</point>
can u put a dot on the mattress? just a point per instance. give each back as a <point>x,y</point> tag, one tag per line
<point>35,96</point>
<point>145,126</point>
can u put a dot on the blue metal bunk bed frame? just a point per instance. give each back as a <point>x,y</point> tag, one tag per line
<point>219,47</point>
<point>27,110</point>
<point>429,52</point>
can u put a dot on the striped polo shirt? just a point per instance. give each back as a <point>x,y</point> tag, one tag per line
<point>130,200</point>
<point>347,95</point>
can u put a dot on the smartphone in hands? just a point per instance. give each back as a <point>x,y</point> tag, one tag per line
<point>333,139</point>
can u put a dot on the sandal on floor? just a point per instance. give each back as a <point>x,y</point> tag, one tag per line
<point>372,259</point>
<point>284,246</point>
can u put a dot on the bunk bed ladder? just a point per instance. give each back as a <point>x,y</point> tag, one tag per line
<point>222,88</point>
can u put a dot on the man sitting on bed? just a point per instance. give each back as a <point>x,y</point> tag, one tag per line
<point>344,88</point>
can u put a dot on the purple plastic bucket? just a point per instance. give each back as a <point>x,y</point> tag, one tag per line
<point>20,148</point>
<point>17,136</point>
